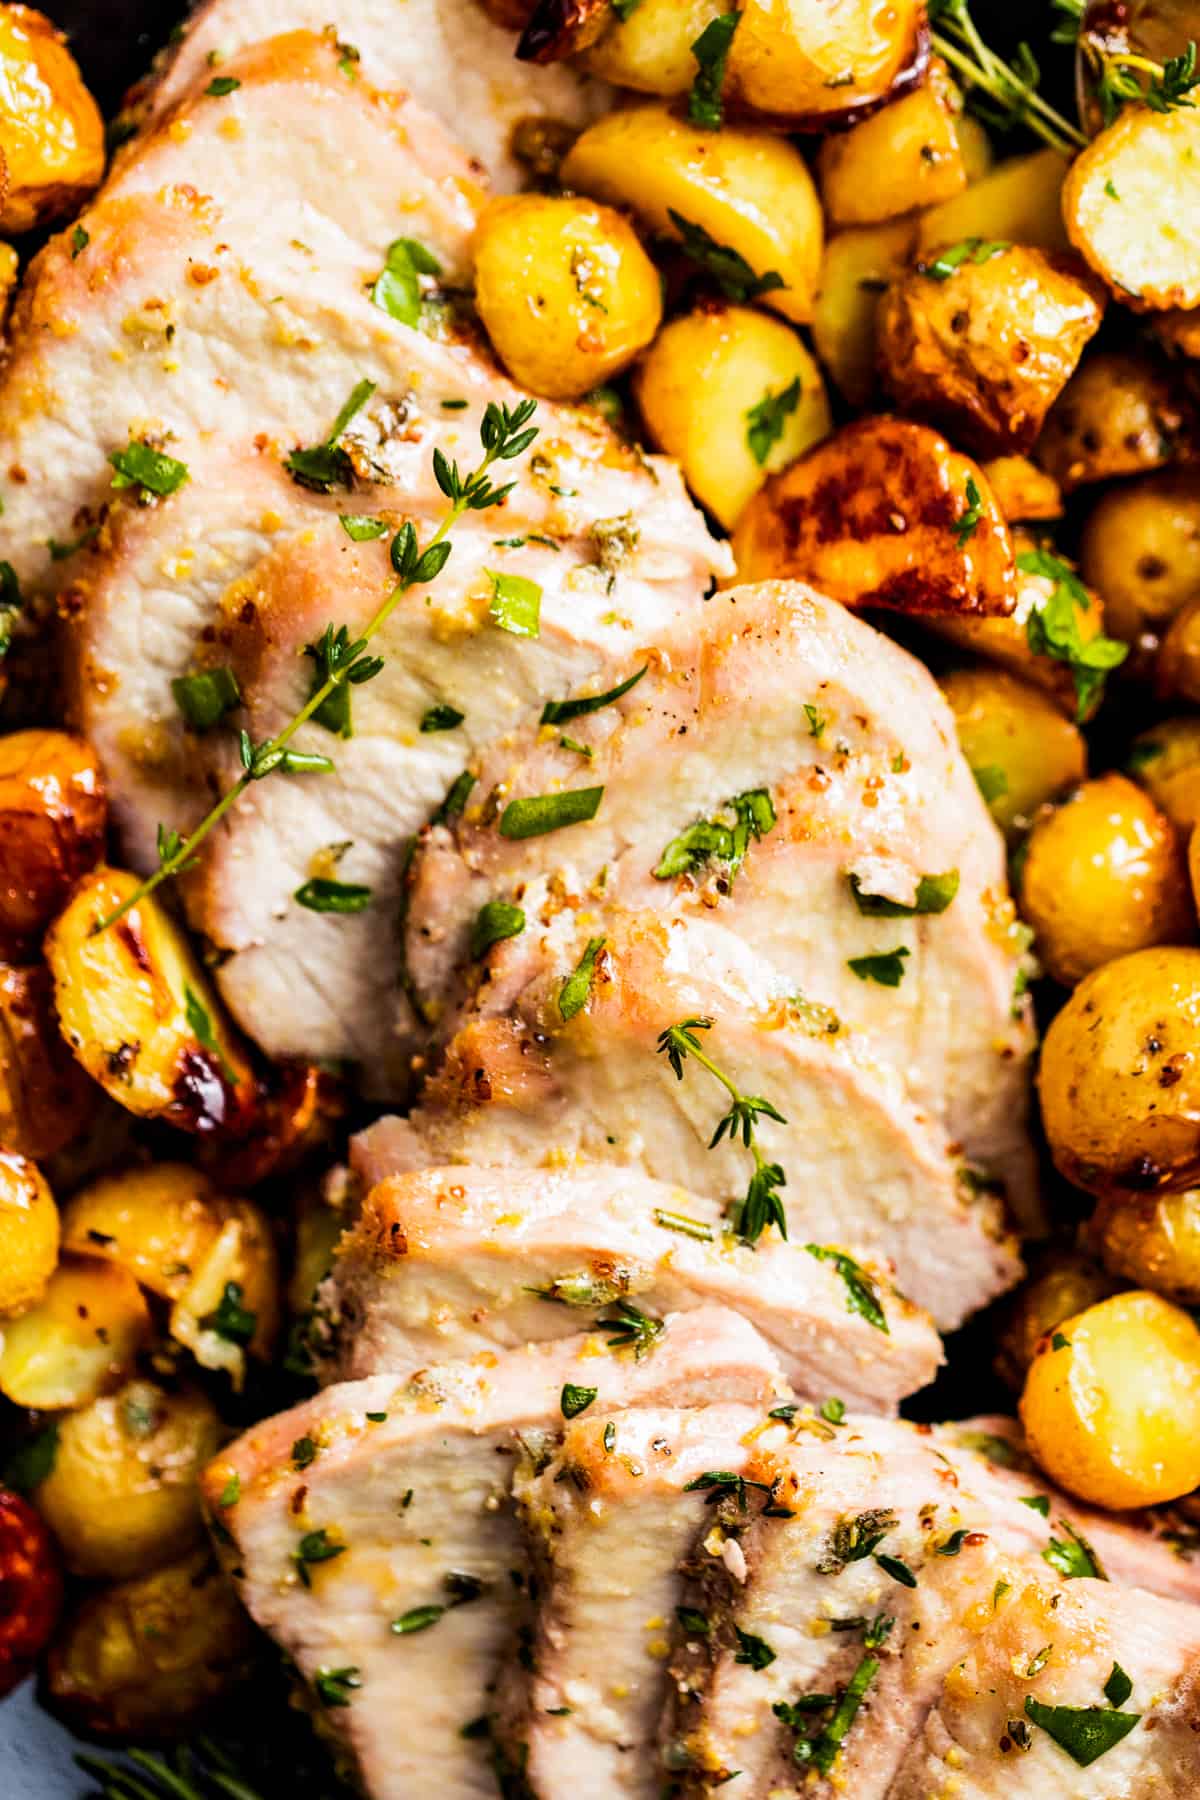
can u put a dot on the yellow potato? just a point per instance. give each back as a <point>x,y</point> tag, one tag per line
<point>651,49</point>
<point>150,1658</point>
<point>1152,1240</point>
<point>1177,670</point>
<point>1119,1077</point>
<point>1063,1282</point>
<point>52,823</point>
<point>140,1016</point>
<point>1166,761</point>
<point>1130,201</point>
<point>1118,415</point>
<point>1024,493</point>
<point>78,1340</point>
<point>46,1100</point>
<point>1178,330</point>
<point>981,340</point>
<point>904,156</point>
<point>1022,751</point>
<point>1113,1414</point>
<point>122,1497</point>
<point>856,268</point>
<point>28,1234</point>
<point>747,191</point>
<point>804,62</point>
<point>565,291</point>
<point>1141,548</point>
<point>51,132</point>
<point>869,518</point>
<point>1103,875</point>
<point>975,146</point>
<point>733,395</point>
<point>1017,202</point>
<point>1193,858</point>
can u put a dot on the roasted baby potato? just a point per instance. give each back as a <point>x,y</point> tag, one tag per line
<point>1128,201</point>
<point>1166,761</point>
<point>51,132</point>
<point>149,1658</point>
<point>52,820</point>
<point>904,156</point>
<point>875,516</point>
<point>1022,751</point>
<point>565,291</point>
<point>736,190</point>
<point>28,1233</point>
<point>1103,875</point>
<point>1111,1406</point>
<point>30,1589</point>
<point>1017,202</point>
<point>45,1098</point>
<point>1141,548</point>
<point>1119,414</point>
<point>1152,1240</point>
<point>1119,1078</point>
<point>806,66</point>
<point>1063,1282</point>
<point>732,394</point>
<point>1024,493</point>
<point>138,1013</point>
<point>855,270</point>
<point>1178,330</point>
<point>122,1497</point>
<point>78,1340</point>
<point>981,339</point>
<point>1177,669</point>
<point>650,49</point>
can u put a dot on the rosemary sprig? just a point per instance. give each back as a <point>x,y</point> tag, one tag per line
<point>762,1205</point>
<point>504,434</point>
<point>1012,87</point>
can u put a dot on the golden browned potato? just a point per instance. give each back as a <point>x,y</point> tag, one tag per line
<point>45,1098</point>
<point>804,65</point>
<point>1177,669</point>
<point>210,1255</point>
<point>565,290</point>
<point>856,268</point>
<point>139,1014</point>
<point>979,159</point>
<point>1120,414</point>
<point>884,513</point>
<point>650,49</point>
<point>1024,493</point>
<point>1178,330</point>
<point>904,156</point>
<point>1103,875</point>
<point>1166,761</point>
<point>732,394</point>
<point>1062,1282</point>
<point>1129,200</point>
<point>149,1659</point>
<point>1017,202</point>
<point>1119,1076</point>
<point>1111,1407</point>
<point>1152,1240</point>
<point>79,1339</point>
<point>51,132</point>
<point>1141,548</point>
<point>982,339</point>
<point>1022,751</point>
<point>28,1233</point>
<point>122,1497</point>
<point>736,191</point>
<point>52,821</point>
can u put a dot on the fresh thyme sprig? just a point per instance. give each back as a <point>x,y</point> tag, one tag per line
<point>202,1773</point>
<point>762,1205</point>
<point>1011,87</point>
<point>1124,76</point>
<point>504,433</point>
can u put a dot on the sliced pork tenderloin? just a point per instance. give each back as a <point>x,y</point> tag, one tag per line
<point>448,1261</point>
<point>371,1533</point>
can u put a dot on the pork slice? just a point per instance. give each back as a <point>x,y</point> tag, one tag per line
<point>609,1522</point>
<point>449,1261</point>
<point>448,53</point>
<point>371,1533</point>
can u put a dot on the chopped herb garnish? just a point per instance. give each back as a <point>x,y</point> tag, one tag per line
<point>342,658</point>
<point>60,552</point>
<point>457,795</point>
<point>969,250</point>
<point>576,990</point>
<point>967,523</point>
<point>495,921</point>
<point>953,1544</point>
<point>820,1751</point>
<point>787,1412</point>
<point>361,527</point>
<point>516,604</point>
<point>680,1222</point>
<point>722,1484</point>
<point>899,1571</point>
<point>753,817</point>
<point>377,1418</point>
<point>442,717</point>
<point>230,1319</point>
<point>304,1452</point>
<point>397,289</point>
<point>1120,80</point>
<point>231,1493</point>
<point>1073,1556</point>
<point>934,894</point>
<point>862,1295</point>
<point>878,1631</point>
<point>832,1411</point>
<point>221,85</point>
<point>695,1623</point>
<point>1038,1503</point>
<point>1084,1732</point>
<point>325,895</point>
<point>886,967</point>
<point>1118,1687</point>
<point>992,781</point>
<point>326,465</point>
<point>79,241</point>
<point>728,268</point>
<point>418,1618</point>
<point>201,1025</point>
<point>765,422</point>
<point>711,51</point>
<point>854,1537</point>
<point>576,1400</point>
<point>1053,629</point>
<point>334,1686</point>
<point>755,1652</point>
<point>206,697</point>
<point>540,813</point>
<point>151,471</point>
<point>314,1547</point>
<point>561,712</point>
<point>610,1438</point>
<point>1059,1342</point>
<point>631,1329</point>
<point>816,720</point>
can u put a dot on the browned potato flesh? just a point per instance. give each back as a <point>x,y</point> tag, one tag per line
<point>1166,761</point>
<point>855,271</point>
<point>982,339</point>
<point>806,63</point>
<point>876,516</point>
<point>1017,202</point>
<point>52,820</point>
<point>1120,414</point>
<point>1141,549</point>
<point>77,1341</point>
<point>1024,493</point>
<point>1062,1282</point>
<point>650,50</point>
<point>51,132</point>
<point>1152,1240</point>
<point>904,156</point>
<point>28,1234</point>
<point>46,1100</point>
<point>1022,751</point>
<point>1130,202</point>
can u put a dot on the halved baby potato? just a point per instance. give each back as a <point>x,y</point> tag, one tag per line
<point>1060,1283</point>
<point>1120,414</point>
<point>1141,549</point>
<point>52,824</point>
<point>1024,493</point>
<point>732,394</point>
<point>1130,202</point>
<point>1017,202</point>
<point>46,1100</point>
<point>857,267</point>
<point>807,63</point>
<point>77,1341</point>
<point>28,1233</point>
<point>1021,750</point>
<point>51,132</point>
<point>650,49</point>
<point>906,155</point>
<point>1152,1240</point>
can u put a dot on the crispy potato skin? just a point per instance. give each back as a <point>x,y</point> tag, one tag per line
<point>1104,875</point>
<point>651,50</point>
<point>1120,414</point>
<point>1024,493</point>
<point>856,268</point>
<point>149,1658</point>
<point>46,1100</point>
<point>122,1498</point>
<point>1166,761</point>
<point>1141,548</point>
<point>1177,670</point>
<point>28,1233</point>
<point>697,385</point>
<point>77,1341</point>
<point>52,821</point>
<point>1017,202</point>
<point>30,1589</point>
<point>986,352</point>
<point>1114,1414</point>
<point>904,156</point>
<point>1064,1282</point>
<point>1022,750</point>
<point>565,290</point>
<point>806,64</point>
<point>51,132</point>
<point>1152,1240</point>
<point>869,517</point>
<point>1135,242</point>
<point>750,190</point>
<point>1119,1079</point>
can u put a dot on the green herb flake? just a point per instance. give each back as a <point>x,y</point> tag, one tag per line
<point>711,51</point>
<point>377,1418</point>
<point>152,472</point>
<point>334,1686</point>
<point>885,966</point>
<point>495,921</point>
<point>314,1547</point>
<point>816,720</point>
<point>205,698</point>
<point>576,990</point>
<point>1084,1732</point>
<point>820,1750</point>
<point>1118,1687</point>
<point>685,1226</point>
<point>80,240</point>
<point>230,1319</point>
<point>862,1296</point>
<point>561,712</point>
<point>361,528</point>
<point>1072,1556</point>
<point>1053,629</point>
<point>1059,1342</point>
<point>899,1571</point>
<point>765,421</point>
<point>442,717</point>
<point>1038,1503</point>
<point>727,268</point>
<point>715,839</point>
<point>457,795</point>
<point>397,289</point>
<point>992,781</point>
<point>304,1452</point>
<point>324,895</point>
<point>418,1618</point>
<point>968,250</point>
<point>231,1493</point>
<point>833,1411</point>
<point>934,894</point>
<point>695,1623</point>
<point>516,604</point>
<point>201,1025</point>
<point>575,1400</point>
<point>755,1652</point>
<point>324,466</point>
<point>221,85</point>
<point>632,1329</point>
<point>967,523</point>
<point>610,1438</point>
<point>541,813</point>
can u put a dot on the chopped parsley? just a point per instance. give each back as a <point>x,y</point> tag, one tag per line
<point>1084,1732</point>
<point>1118,1687</point>
<point>397,289</point>
<point>230,1319</point>
<point>495,921</point>
<point>967,523</point>
<point>765,421</point>
<point>967,250</point>
<point>730,271</point>
<point>220,85</point>
<point>711,51</point>
<point>516,604</point>
<point>561,712</point>
<point>754,1651</point>
<point>819,1749</point>
<point>324,895</point>
<point>80,240</point>
<point>934,894</point>
<point>540,813</point>
<point>1053,629</point>
<point>575,1400</point>
<point>231,1493</point>
<point>862,1296</point>
<point>361,527</point>
<point>576,990</point>
<point>885,966</point>
<point>1038,1503</point>
<point>695,1623</point>
<point>152,472</point>
<point>753,817</point>
<point>325,466</point>
<point>442,717</point>
<point>1072,1556</point>
<point>304,1452</point>
<point>334,1686</point>
<point>205,698</point>
<point>314,1547</point>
